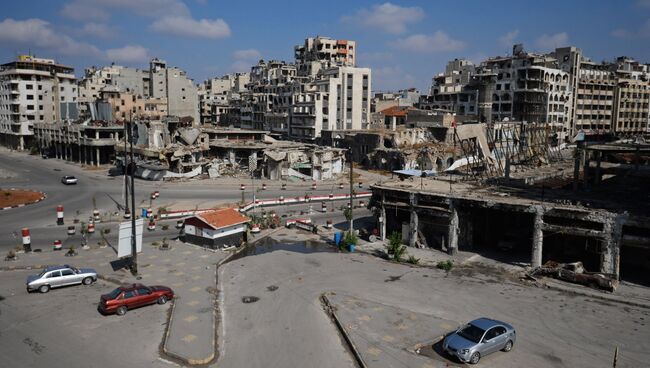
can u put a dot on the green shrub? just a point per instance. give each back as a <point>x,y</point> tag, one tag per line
<point>445,265</point>
<point>413,260</point>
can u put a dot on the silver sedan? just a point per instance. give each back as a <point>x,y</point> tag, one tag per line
<point>479,338</point>
<point>57,276</point>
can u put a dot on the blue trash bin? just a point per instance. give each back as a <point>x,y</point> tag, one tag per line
<point>144,213</point>
<point>351,247</point>
<point>337,238</point>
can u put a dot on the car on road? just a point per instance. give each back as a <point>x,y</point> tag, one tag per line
<point>479,338</point>
<point>68,180</point>
<point>57,276</point>
<point>131,296</point>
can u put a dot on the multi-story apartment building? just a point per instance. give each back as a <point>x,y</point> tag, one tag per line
<point>324,49</point>
<point>159,83</point>
<point>562,88</point>
<point>34,90</point>
<point>127,105</point>
<point>218,95</point>
<point>321,90</point>
<point>451,90</point>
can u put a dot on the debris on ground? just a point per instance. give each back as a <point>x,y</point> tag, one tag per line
<point>575,272</point>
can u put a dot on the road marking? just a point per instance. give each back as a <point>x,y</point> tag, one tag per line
<point>190,318</point>
<point>189,338</point>
<point>364,318</point>
<point>193,303</point>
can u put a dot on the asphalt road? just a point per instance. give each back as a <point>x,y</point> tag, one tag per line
<point>33,172</point>
<point>287,326</point>
<point>64,329</point>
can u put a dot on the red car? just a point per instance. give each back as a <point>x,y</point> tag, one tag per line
<point>126,297</point>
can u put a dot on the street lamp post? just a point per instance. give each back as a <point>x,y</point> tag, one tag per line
<point>134,250</point>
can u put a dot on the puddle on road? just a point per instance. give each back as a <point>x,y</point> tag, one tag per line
<point>269,245</point>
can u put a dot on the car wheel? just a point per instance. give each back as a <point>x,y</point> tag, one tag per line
<point>475,358</point>
<point>44,288</point>
<point>87,280</point>
<point>162,300</point>
<point>121,311</point>
<point>508,346</point>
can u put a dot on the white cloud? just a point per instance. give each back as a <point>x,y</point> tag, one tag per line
<point>386,17</point>
<point>392,78</point>
<point>101,9</point>
<point>248,54</point>
<point>241,66</point>
<point>37,33</point>
<point>642,32</point>
<point>508,39</point>
<point>189,27</point>
<point>100,30</point>
<point>548,42</point>
<point>437,42</point>
<point>128,54</point>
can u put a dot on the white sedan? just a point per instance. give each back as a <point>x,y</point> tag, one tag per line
<point>67,180</point>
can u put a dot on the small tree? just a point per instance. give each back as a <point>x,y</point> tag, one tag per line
<point>395,246</point>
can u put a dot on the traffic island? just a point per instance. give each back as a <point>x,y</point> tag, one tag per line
<point>13,198</point>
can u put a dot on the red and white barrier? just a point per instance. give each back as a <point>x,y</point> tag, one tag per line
<point>153,195</point>
<point>284,186</point>
<point>157,194</point>
<point>71,230</point>
<point>331,196</point>
<point>127,214</point>
<point>255,228</point>
<point>242,187</point>
<point>91,227</point>
<point>313,186</point>
<point>340,185</point>
<point>57,245</point>
<point>96,216</point>
<point>179,224</point>
<point>263,186</point>
<point>59,215</point>
<point>27,240</point>
<point>149,213</point>
<point>328,224</point>
<point>323,207</point>
<point>151,226</point>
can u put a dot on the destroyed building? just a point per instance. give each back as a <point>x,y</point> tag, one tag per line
<point>517,197</point>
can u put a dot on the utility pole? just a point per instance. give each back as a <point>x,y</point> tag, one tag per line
<point>126,173</point>
<point>134,250</point>
<point>351,193</point>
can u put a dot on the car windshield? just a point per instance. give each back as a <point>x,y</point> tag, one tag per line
<point>115,293</point>
<point>471,333</point>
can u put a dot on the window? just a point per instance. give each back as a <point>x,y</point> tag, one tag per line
<point>30,107</point>
<point>30,86</point>
<point>30,97</point>
<point>144,291</point>
<point>67,272</point>
<point>62,88</point>
<point>129,294</point>
<point>54,274</point>
<point>40,97</point>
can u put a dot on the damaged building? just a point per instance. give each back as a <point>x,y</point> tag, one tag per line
<point>521,200</point>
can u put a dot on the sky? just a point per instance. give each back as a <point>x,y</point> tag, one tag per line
<point>404,42</point>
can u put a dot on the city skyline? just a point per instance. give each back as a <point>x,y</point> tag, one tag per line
<point>405,44</point>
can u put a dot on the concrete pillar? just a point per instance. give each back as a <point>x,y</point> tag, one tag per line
<point>21,143</point>
<point>393,123</point>
<point>466,239</point>
<point>97,162</point>
<point>611,247</point>
<point>452,234</point>
<point>538,236</point>
<point>413,224</point>
<point>382,222</point>
<point>599,156</point>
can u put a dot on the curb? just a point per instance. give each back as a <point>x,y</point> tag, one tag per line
<point>605,297</point>
<point>43,196</point>
<point>330,311</point>
<point>212,357</point>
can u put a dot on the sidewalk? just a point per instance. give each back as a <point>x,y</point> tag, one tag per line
<point>190,271</point>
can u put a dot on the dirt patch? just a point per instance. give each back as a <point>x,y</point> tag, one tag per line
<point>15,197</point>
